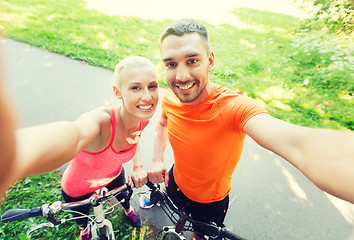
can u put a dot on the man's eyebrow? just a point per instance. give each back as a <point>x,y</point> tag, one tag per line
<point>186,56</point>
<point>166,59</point>
<point>192,55</point>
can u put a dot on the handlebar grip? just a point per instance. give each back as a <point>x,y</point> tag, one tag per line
<point>229,235</point>
<point>150,185</point>
<point>155,194</point>
<point>20,214</point>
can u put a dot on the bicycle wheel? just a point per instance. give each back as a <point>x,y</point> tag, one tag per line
<point>171,236</point>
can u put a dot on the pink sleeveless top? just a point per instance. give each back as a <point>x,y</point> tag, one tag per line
<point>89,171</point>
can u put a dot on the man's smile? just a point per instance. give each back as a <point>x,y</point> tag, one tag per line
<point>185,86</point>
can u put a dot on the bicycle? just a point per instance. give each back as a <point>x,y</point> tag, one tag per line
<point>182,220</point>
<point>101,227</point>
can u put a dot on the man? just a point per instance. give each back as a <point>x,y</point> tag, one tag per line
<point>206,125</point>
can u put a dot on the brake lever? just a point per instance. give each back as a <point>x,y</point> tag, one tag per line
<point>48,224</point>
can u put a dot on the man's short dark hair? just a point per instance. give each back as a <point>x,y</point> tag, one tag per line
<point>183,26</point>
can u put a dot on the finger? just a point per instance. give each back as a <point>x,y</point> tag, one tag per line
<point>153,178</point>
<point>140,183</point>
<point>162,175</point>
<point>145,180</point>
<point>167,178</point>
<point>129,180</point>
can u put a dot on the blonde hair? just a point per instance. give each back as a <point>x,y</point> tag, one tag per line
<point>129,63</point>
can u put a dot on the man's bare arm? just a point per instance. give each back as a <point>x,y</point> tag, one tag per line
<point>325,156</point>
<point>157,172</point>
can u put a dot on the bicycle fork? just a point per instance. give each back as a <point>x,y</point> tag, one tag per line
<point>103,224</point>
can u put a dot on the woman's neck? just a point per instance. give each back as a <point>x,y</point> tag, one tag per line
<point>128,122</point>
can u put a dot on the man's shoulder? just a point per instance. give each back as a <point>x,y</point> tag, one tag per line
<point>222,93</point>
<point>234,98</point>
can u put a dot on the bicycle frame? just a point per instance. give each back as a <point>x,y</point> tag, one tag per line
<point>97,200</point>
<point>100,221</point>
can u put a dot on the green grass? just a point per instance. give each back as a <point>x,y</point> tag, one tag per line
<point>302,77</point>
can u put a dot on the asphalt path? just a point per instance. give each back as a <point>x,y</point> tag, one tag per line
<point>270,199</point>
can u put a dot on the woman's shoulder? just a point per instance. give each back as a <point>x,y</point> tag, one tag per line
<point>106,110</point>
<point>99,115</point>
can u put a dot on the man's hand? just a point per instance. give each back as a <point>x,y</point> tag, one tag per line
<point>139,177</point>
<point>157,173</point>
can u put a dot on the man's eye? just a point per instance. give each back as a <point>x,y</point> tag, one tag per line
<point>170,65</point>
<point>135,88</point>
<point>193,61</point>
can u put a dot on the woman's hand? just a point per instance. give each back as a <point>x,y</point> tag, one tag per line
<point>139,177</point>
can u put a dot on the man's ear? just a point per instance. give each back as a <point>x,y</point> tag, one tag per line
<point>211,60</point>
<point>117,92</point>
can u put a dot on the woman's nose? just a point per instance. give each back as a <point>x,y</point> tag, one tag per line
<point>146,96</point>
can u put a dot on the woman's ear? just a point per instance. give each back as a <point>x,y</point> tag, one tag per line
<point>117,92</point>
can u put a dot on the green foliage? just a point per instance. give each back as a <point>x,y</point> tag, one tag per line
<point>321,66</point>
<point>334,15</point>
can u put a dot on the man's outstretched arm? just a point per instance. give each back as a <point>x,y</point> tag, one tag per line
<point>325,156</point>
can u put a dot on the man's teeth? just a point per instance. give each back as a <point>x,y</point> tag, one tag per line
<point>185,87</point>
<point>146,107</point>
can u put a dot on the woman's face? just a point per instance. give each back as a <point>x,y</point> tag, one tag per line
<point>139,91</point>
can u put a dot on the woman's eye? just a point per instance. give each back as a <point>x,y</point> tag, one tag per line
<point>135,88</point>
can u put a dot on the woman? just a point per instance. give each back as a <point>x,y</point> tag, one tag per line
<point>109,137</point>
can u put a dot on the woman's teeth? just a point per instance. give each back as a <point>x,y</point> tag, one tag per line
<point>145,107</point>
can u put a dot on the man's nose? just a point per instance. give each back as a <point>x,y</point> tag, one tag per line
<point>182,73</point>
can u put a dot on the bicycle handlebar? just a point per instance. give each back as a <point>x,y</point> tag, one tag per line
<point>158,196</point>
<point>57,207</point>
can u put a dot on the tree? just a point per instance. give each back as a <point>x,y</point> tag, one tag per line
<point>336,16</point>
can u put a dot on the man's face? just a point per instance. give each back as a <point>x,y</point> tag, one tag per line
<point>187,64</point>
